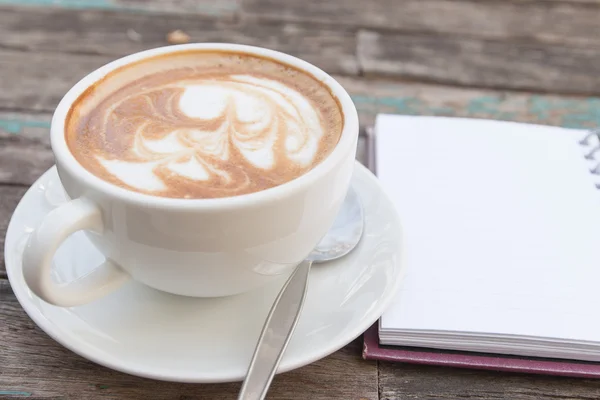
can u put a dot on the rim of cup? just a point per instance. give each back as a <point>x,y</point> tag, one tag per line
<point>68,162</point>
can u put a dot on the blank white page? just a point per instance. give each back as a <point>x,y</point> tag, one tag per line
<point>501,224</point>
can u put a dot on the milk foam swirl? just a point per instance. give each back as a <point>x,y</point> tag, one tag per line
<point>191,128</point>
<point>194,133</point>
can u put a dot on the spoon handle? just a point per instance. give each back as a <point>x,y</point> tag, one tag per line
<point>276,334</point>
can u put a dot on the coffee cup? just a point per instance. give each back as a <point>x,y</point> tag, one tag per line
<point>201,247</point>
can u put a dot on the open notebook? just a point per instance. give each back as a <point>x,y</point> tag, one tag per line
<point>502,236</point>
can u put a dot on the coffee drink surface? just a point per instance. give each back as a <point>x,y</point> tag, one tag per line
<point>203,124</point>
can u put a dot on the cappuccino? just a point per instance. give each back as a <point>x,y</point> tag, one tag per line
<point>203,124</point>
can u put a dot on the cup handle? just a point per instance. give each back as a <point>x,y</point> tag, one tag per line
<point>76,215</point>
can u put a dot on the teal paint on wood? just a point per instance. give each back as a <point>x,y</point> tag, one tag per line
<point>14,393</point>
<point>207,8</point>
<point>103,4</point>
<point>399,105</point>
<point>15,126</point>
<point>581,113</point>
<point>570,113</point>
<point>490,107</point>
<point>443,111</point>
<point>550,110</point>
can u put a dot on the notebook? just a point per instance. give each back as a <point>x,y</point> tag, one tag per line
<point>502,239</point>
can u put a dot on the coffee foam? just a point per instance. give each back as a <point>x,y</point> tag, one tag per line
<point>204,124</point>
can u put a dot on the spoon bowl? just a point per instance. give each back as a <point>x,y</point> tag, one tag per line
<point>344,234</point>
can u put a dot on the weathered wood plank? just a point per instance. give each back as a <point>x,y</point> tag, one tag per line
<point>24,148</point>
<point>222,8</point>
<point>36,81</point>
<point>569,1</point>
<point>373,96</point>
<point>398,381</point>
<point>117,34</point>
<point>448,60</point>
<point>36,35</point>
<point>35,365</point>
<point>562,22</point>
<point>9,198</point>
<point>480,63</point>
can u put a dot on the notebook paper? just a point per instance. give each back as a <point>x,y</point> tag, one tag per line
<point>502,236</point>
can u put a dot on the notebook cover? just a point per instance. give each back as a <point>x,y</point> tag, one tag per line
<point>373,351</point>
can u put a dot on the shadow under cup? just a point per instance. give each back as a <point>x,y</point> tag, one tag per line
<point>192,247</point>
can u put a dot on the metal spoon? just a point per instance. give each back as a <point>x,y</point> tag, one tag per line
<point>343,236</point>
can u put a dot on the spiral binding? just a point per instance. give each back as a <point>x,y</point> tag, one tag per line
<point>592,153</point>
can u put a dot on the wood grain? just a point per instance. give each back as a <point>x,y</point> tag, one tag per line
<point>33,38</point>
<point>40,35</point>
<point>24,148</point>
<point>373,96</point>
<point>567,1</point>
<point>399,381</point>
<point>563,22</point>
<point>34,364</point>
<point>9,198</point>
<point>36,81</point>
<point>474,62</point>
<point>115,33</point>
<point>224,9</point>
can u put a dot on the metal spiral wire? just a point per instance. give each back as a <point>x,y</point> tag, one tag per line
<point>591,155</point>
<point>594,153</point>
<point>586,140</point>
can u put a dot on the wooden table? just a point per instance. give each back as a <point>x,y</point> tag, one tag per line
<point>535,61</point>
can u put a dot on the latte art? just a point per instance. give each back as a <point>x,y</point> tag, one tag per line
<point>191,130</point>
<point>207,131</point>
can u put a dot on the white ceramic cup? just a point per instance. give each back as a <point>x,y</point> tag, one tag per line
<point>193,247</point>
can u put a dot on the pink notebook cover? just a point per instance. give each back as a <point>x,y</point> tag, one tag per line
<point>372,350</point>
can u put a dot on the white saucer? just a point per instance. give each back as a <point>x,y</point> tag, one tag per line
<point>145,332</point>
